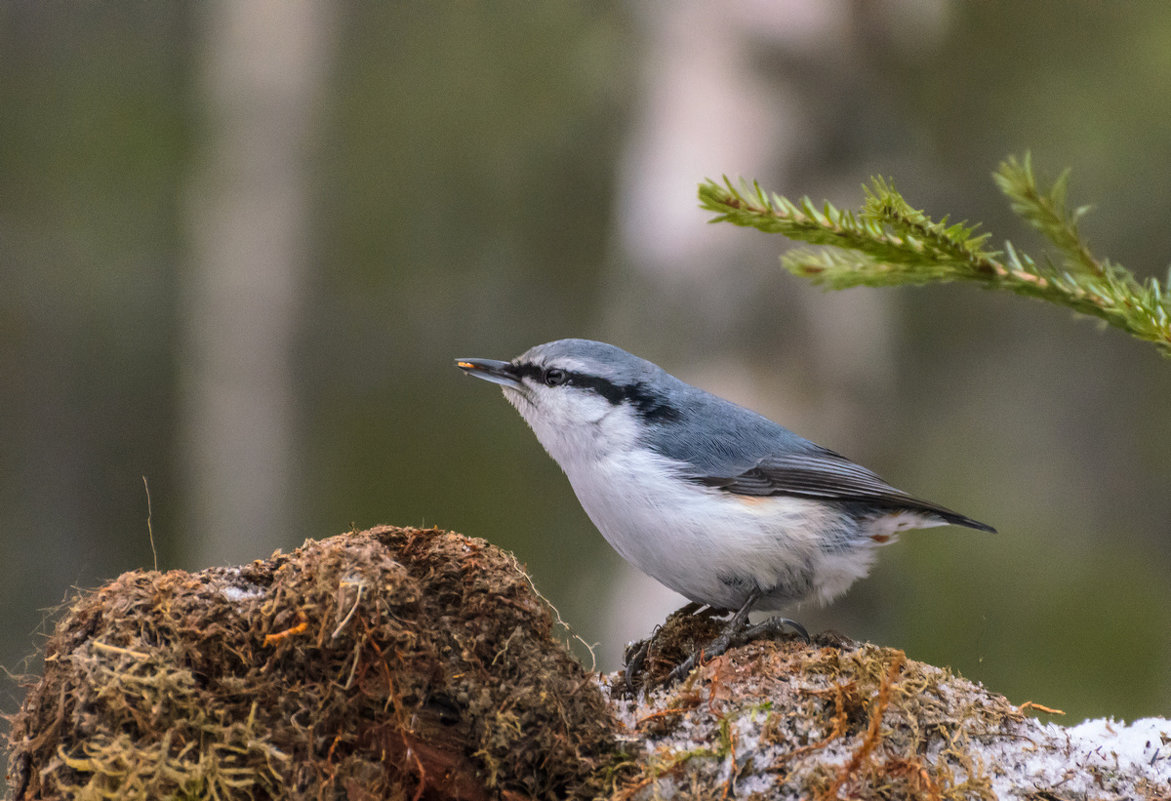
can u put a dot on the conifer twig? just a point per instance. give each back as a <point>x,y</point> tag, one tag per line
<point>888,243</point>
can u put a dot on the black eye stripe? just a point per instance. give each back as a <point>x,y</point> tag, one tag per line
<point>528,370</point>
<point>650,406</point>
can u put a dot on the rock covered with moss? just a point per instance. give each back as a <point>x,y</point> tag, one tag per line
<point>390,663</point>
<point>834,719</point>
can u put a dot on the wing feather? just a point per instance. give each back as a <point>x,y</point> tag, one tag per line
<point>826,475</point>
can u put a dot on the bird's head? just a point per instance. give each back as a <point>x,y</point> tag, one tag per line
<point>579,395</point>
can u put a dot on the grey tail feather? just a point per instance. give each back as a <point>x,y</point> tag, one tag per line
<point>956,519</point>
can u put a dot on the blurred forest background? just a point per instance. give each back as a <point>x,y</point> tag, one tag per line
<point>241,244</point>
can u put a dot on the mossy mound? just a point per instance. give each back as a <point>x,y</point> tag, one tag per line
<point>831,719</point>
<point>390,663</point>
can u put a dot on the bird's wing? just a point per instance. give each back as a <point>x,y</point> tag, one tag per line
<point>821,473</point>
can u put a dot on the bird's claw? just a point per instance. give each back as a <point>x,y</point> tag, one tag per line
<point>773,626</point>
<point>635,663</point>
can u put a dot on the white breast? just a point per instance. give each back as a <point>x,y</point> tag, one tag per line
<point>712,546</point>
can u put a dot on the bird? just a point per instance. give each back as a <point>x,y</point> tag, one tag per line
<point>717,502</point>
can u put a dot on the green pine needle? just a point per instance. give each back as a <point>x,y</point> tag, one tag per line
<point>889,243</point>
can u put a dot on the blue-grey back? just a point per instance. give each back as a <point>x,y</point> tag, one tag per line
<point>718,437</point>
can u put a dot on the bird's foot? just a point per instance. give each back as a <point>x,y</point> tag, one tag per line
<point>735,634</point>
<point>773,627</point>
<point>654,660</point>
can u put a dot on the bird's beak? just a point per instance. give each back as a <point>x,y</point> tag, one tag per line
<point>498,372</point>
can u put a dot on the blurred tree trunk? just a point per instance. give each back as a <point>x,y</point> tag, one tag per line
<point>261,71</point>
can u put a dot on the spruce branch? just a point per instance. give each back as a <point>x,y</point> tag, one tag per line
<point>1046,212</point>
<point>888,242</point>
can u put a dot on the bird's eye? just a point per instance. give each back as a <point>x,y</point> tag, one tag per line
<point>555,377</point>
